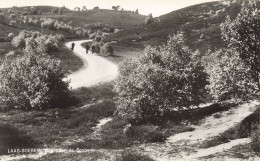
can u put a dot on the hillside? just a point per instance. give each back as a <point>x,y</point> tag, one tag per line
<point>200,24</point>
<point>89,19</point>
<point>116,19</point>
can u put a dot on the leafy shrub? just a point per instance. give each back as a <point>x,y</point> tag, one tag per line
<point>130,155</point>
<point>166,78</point>
<point>47,43</point>
<point>107,50</point>
<point>48,23</point>
<point>32,81</point>
<point>18,42</point>
<point>237,73</point>
<point>246,45</point>
<point>13,22</point>
<point>230,79</point>
<point>12,16</point>
<point>11,35</point>
<point>148,20</point>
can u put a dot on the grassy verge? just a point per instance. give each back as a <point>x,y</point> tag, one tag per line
<point>124,51</point>
<point>69,61</point>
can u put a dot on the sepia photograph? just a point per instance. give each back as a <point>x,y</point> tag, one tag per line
<point>129,80</point>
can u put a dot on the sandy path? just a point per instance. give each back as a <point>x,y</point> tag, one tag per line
<point>185,146</point>
<point>95,69</point>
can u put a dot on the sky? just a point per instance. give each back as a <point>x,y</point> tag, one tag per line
<point>156,7</point>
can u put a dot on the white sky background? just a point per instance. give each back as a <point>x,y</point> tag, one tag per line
<point>156,7</point>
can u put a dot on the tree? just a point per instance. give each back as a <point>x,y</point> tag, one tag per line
<point>96,8</point>
<point>12,16</point>
<point>107,49</point>
<point>60,11</point>
<point>168,77</point>
<point>243,35</point>
<point>116,8</point>
<point>77,9</point>
<point>229,78</point>
<point>236,73</point>
<point>84,8</point>
<point>148,20</point>
<point>32,81</point>
<point>55,10</point>
<point>136,11</point>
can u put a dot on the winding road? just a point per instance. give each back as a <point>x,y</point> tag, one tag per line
<point>95,69</point>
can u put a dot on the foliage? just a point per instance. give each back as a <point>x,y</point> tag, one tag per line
<point>107,49</point>
<point>149,19</point>
<point>168,77</point>
<point>229,78</point>
<point>116,8</point>
<point>48,43</point>
<point>12,16</point>
<point>236,73</point>
<point>243,35</point>
<point>32,81</point>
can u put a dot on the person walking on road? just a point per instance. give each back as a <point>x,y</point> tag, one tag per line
<point>93,48</point>
<point>87,48</point>
<point>72,46</point>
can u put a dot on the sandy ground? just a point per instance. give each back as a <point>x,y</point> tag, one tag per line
<point>184,146</point>
<point>95,69</point>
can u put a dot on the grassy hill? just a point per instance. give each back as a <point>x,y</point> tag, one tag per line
<point>116,19</point>
<point>94,19</point>
<point>200,24</point>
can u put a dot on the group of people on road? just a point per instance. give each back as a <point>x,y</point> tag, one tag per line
<point>87,48</point>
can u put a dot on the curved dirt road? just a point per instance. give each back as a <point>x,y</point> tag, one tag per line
<point>95,69</point>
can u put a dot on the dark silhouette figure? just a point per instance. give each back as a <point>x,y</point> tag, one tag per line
<point>93,48</point>
<point>87,48</point>
<point>72,46</point>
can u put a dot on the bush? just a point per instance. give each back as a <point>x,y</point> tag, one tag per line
<point>32,81</point>
<point>107,50</point>
<point>237,73</point>
<point>12,16</point>
<point>148,20</point>
<point>13,22</point>
<point>229,78</point>
<point>18,42</point>
<point>166,78</point>
<point>255,143</point>
<point>132,156</point>
<point>11,35</point>
<point>246,45</point>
